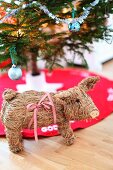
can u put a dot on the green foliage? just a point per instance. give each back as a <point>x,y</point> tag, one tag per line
<point>34,31</point>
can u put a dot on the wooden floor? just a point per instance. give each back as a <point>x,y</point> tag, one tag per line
<point>93,149</point>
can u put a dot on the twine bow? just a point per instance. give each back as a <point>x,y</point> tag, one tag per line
<point>46,105</point>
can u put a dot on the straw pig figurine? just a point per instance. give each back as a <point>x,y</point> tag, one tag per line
<point>18,110</point>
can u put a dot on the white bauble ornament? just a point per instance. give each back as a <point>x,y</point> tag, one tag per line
<point>15,73</point>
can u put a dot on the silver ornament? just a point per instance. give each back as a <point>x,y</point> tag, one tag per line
<point>15,73</point>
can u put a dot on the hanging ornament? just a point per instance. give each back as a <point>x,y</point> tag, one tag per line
<point>14,73</point>
<point>74,26</point>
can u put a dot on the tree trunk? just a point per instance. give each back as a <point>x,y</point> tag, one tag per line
<point>32,63</point>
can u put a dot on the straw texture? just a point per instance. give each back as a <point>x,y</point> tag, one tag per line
<point>71,104</point>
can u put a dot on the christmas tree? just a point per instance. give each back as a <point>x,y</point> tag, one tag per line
<point>29,33</point>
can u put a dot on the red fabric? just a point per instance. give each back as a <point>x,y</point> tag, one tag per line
<point>5,63</point>
<point>102,96</point>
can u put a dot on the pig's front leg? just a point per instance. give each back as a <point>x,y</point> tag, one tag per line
<point>14,138</point>
<point>66,132</point>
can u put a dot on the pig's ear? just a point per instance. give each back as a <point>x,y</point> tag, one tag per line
<point>63,94</point>
<point>88,83</point>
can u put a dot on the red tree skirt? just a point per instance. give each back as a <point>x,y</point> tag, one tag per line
<point>102,96</point>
